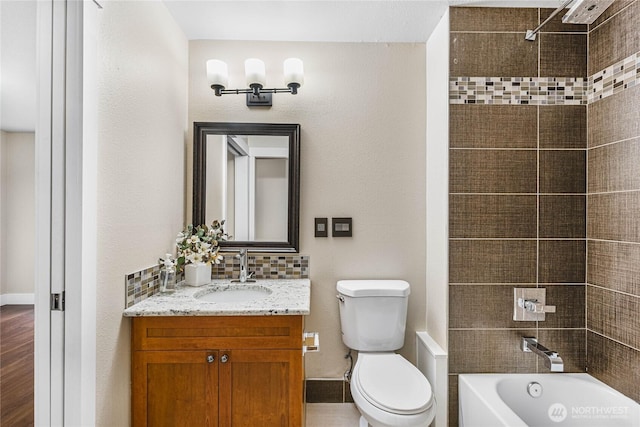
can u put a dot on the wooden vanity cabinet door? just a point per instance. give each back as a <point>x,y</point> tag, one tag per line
<point>261,388</point>
<point>175,388</point>
<point>259,385</point>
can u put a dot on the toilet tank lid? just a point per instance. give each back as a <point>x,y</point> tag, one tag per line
<point>372,288</point>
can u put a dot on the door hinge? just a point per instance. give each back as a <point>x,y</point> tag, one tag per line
<point>57,302</point>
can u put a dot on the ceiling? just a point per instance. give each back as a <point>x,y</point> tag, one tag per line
<point>382,21</point>
<point>308,21</point>
<point>391,21</point>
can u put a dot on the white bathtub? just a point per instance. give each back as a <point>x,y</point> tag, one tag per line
<point>493,400</point>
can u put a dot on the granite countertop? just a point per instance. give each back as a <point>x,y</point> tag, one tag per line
<point>284,297</point>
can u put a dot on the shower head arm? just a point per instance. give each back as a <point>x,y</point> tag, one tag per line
<point>531,34</point>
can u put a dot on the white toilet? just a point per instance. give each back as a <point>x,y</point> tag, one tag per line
<point>386,388</point>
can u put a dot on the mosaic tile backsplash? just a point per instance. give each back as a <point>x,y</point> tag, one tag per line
<point>145,283</point>
<point>141,285</point>
<point>546,90</point>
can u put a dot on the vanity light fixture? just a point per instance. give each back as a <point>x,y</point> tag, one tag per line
<point>257,94</point>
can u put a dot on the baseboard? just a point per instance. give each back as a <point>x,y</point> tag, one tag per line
<point>327,390</point>
<point>17,299</point>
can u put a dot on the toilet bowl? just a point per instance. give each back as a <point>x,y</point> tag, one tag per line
<point>390,392</point>
<point>386,388</point>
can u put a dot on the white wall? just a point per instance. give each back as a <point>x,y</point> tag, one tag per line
<point>17,235</point>
<point>362,115</point>
<point>142,112</point>
<point>3,137</point>
<point>437,268</point>
<point>438,182</point>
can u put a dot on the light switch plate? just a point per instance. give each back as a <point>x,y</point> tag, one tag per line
<point>321,226</point>
<point>342,227</point>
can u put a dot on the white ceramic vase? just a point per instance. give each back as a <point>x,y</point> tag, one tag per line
<point>197,274</point>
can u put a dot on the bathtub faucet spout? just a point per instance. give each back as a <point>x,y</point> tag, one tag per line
<point>551,359</point>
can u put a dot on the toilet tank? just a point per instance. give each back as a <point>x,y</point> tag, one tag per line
<point>373,313</point>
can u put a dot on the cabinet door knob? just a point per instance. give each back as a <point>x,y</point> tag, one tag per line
<point>224,358</point>
<point>210,358</point>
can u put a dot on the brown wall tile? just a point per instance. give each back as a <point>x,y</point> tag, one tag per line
<point>614,315</point>
<point>492,19</point>
<point>492,216</point>
<point>615,7</point>
<point>615,39</point>
<point>325,391</point>
<point>570,307</point>
<point>561,261</point>
<point>615,118</point>
<point>557,26</point>
<point>492,171</point>
<point>615,364</point>
<point>563,126</point>
<point>486,351</point>
<point>563,171</point>
<point>492,126</point>
<point>614,216</point>
<point>563,216</point>
<point>492,261</point>
<point>614,265</point>
<point>570,345</point>
<point>483,306</point>
<point>563,55</point>
<point>493,54</point>
<point>348,397</point>
<point>453,401</point>
<point>614,167</point>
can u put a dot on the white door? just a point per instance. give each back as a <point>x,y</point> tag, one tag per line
<point>65,213</point>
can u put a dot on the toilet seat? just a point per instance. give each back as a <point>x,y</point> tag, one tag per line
<point>391,383</point>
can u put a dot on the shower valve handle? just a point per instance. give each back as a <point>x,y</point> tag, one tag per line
<point>534,306</point>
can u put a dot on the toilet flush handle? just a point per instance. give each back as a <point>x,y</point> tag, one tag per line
<point>340,297</point>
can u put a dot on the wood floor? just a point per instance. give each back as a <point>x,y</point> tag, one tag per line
<point>16,365</point>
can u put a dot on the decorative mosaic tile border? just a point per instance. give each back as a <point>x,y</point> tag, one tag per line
<point>518,90</point>
<point>546,90</point>
<point>616,78</point>
<point>145,283</point>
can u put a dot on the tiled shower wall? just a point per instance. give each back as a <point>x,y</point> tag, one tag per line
<point>613,208</point>
<point>517,193</point>
<point>491,204</point>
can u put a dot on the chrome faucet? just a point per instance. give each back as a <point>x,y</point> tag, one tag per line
<point>551,359</point>
<point>244,276</point>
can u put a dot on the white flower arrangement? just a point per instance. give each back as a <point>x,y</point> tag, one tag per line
<point>200,244</point>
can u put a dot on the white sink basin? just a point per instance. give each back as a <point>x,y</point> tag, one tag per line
<point>234,293</point>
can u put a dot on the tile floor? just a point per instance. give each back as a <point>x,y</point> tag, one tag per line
<point>332,415</point>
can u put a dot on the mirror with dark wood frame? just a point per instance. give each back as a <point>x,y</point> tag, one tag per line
<point>238,194</point>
